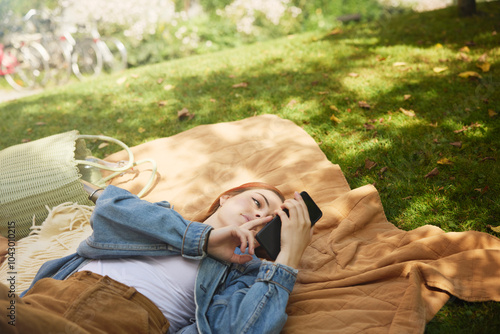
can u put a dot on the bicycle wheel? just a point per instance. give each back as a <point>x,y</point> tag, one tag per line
<point>39,61</point>
<point>16,69</point>
<point>114,54</point>
<point>86,60</point>
<point>24,67</point>
<point>59,62</point>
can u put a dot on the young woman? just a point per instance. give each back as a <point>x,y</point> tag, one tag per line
<point>147,269</point>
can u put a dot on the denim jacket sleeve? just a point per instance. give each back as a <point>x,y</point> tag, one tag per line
<point>253,299</point>
<point>124,225</point>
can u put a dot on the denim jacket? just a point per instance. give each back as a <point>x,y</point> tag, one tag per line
<point>230,298</point>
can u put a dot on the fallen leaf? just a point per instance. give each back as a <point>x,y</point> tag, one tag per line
<point>213,100</point>
<point>464,49</point>
<point>468,74</point>
<point>495,228</point>
<point>162,103</point>
<point>323,93</point>
<point>159,81</point>
<point>463,57</point>
<point>456,144</point>
<point>432,173</point>
<point>40,123</point>
<point>468,127</point>
<point>354,75</point>
<point>121,80</point>
<point>25,140</point>
<point>240,85</point>
<point>482,58</point>
<point>184,113</point>
<point>440,69</point>
<point>334,108</point>
<point>292,103</point>
<point>438,46</point>
<point>399,63</point>
<point>482,190</point>
<point>119,120</point>
<point>407,97</point>
<point>135,76</point>
<point>103,145</point>
<point>168,87</point>
<point>370,164</point>
<point>492,113</point>
<point>369,126</point>
<point>335,119</point>
<point>485,67</point>
<point>335,31</point>
<point>141,130</point>
<point>363,104</point>
<point>409,113</point>
<point>487,158</point>
<point>383,170</point>
<point>445,161</point>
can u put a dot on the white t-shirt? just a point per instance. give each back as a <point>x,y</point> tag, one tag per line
<point>168,281</point>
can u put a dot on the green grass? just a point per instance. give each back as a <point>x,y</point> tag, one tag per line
<point>308,78</point>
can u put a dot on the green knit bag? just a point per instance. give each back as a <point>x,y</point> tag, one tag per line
<point>46,172</point>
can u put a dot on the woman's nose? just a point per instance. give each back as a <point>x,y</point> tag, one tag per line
<point>260,213</point>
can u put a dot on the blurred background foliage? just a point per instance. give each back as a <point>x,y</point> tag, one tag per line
<point>158,30</point>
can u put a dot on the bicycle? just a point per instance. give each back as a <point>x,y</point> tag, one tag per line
<point>59,55</point>
<point>94,53</point>
<point>24,64</point>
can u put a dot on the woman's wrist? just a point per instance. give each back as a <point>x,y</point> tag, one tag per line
<point>290,259</point>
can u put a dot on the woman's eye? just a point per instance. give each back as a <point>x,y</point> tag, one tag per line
<point>256,202</point>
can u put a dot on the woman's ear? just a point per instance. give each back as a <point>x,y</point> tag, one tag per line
<point>223,199</point>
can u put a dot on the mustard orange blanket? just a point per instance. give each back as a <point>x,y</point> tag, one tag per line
<point>360,274</point>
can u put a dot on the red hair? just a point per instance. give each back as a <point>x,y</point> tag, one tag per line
<point>238,190</point>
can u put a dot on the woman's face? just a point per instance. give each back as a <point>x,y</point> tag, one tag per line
<point>246,206</point>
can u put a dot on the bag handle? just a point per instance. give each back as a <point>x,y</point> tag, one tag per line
<point>118,170</point>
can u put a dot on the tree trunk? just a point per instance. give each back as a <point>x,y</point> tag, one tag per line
<point>466,7</point>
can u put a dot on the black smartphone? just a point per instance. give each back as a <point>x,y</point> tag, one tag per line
<point>269,237</point>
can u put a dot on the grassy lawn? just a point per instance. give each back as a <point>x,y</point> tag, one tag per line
<point>388,101</point>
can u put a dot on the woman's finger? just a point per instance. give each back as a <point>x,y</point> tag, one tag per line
<point>258,222</point>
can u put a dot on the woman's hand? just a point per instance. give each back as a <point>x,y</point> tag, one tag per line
<point>223,241</point>
<point>296,231</point>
